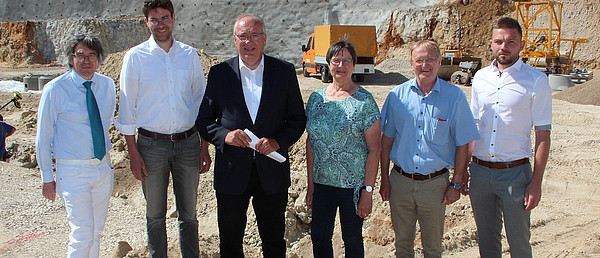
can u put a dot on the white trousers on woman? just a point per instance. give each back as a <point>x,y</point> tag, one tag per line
<point>85,191</point>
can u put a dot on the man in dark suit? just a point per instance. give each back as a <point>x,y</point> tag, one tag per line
<point>259,93</point>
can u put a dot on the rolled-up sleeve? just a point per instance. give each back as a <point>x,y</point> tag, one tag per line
<point>128,96</point>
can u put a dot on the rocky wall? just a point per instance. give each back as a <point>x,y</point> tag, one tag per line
<point>205,24</point>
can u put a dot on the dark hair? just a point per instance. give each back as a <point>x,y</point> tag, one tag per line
<point>90,41</point>
<point>151,4</point>
<point>1,118</point>
<point>508,23</point>
<point>337,47</point>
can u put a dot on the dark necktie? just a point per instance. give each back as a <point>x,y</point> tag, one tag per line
<point>95,122</point>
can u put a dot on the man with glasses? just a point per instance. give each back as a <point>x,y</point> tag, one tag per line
<point>162,85</point>
<point>427,125</point>
<point>75,113</point>
<point>260,93</point>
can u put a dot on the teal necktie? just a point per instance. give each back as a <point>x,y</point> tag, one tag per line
<point>95,122</point>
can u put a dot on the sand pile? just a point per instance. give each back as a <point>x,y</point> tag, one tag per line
<point>587,93</point>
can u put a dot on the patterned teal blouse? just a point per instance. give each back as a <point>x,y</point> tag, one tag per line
<point>336,129</point>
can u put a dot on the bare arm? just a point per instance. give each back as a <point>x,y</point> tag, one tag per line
<point>460,168</point>
<point>373,138</point>
<point>386,149</point>
<point>533,193</point>
<point>466,177</point>
<point>136,163</point>
<point>309,173</point>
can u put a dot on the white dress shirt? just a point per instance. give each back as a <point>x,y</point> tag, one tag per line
<point>160,91</point>
<point>63,120</point>
<point>252,82</point>
<point>508,104</point>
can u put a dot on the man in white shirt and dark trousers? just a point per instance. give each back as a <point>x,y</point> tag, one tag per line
<point>162,86</point>
<point>508,99</point>
<point>75,113</point>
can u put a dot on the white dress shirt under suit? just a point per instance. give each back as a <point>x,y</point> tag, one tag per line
<point>252,82</point>
<point>83,182</point>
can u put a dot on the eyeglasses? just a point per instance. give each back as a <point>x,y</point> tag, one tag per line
<point>164,20</point>
<point>426,60</point>
<point>345,61</point>
<point>90,57</point>
<point>253,36</point>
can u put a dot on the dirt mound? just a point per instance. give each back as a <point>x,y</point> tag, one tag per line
<point>16,44</point>
<point>587,93</point>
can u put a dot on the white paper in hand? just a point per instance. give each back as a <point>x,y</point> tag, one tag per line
<point>274,155</point>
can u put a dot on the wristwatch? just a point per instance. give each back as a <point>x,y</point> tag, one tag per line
<point>455,185</point>
<point>368,188</point>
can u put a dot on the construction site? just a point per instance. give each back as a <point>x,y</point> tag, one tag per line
<point>562,39</point>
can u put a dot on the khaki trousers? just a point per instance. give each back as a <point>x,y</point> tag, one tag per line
<point>412,201</point>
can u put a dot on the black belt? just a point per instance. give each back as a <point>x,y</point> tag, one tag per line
<point>169,137</point>
<point>500,165</point>
<point>420,177</point>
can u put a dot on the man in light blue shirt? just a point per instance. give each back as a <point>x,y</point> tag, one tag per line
<point>427,125</point>
<point>74,117</point>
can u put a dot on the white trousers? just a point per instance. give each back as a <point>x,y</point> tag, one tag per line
<point>86,191</point>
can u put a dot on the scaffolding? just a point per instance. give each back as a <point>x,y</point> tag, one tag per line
<point>541,24</point>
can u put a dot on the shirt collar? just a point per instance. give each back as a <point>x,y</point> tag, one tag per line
<point>436,86</point>
<point>517,66</point>
<point>242,65</point>
<point>78,80</point>
<point>154,46</point>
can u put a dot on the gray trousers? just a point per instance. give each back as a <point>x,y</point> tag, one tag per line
<point>498,192</point>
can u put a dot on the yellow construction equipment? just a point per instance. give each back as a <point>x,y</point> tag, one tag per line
<point>544,46</point>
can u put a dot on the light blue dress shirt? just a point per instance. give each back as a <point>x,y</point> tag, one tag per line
<point>63,120</point>
<point>427,129</point>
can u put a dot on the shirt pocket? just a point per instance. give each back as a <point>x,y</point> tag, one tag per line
<point>184,85</point>
<point>440,132</point>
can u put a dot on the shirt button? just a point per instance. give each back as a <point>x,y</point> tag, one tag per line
<point>421,113</point>
<point>494,131</point>
<point>495,116</point>
<point>492,144</point>
<point>416,167</point>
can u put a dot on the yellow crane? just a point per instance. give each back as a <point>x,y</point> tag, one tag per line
<point>541,24</point>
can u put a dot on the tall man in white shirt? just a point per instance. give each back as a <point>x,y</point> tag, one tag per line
<point>508,99</point>
<point>75,113</point>
<point>162,85</point>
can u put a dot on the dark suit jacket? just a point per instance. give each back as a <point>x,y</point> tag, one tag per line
<point>280,116</point>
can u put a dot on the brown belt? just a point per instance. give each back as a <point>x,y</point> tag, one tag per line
<point>420,177</point>
<point>500,165</point>
<point>169,137</point>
